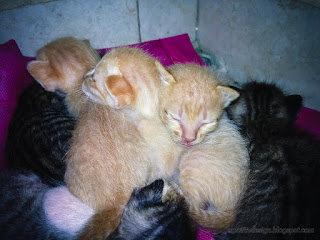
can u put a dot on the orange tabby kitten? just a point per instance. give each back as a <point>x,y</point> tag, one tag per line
<point>212,173</point>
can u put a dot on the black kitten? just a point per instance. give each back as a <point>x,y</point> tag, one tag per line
<point>21,208</point>
<point>283,182</point>
<point>39,134</point>
<point>155,212</point>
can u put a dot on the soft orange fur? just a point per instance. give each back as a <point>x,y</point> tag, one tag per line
<point>109,154</point>
<point>213,168</point>
<point>121,143</point>
<point>61,64</point>
<point>128,79</point>
<point>141,87</point>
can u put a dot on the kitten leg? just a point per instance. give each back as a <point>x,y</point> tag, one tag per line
<point>65,211</point>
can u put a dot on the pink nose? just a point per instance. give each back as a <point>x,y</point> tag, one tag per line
<point>189,139</point>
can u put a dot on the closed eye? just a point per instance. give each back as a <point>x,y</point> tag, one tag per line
<point>209,123</point>
<point>172,116</point>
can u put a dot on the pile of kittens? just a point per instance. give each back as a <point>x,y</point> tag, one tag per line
<point>121,147</point>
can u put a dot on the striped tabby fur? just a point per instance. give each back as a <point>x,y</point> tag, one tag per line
<point>283,181</point>
<point>39,134</point>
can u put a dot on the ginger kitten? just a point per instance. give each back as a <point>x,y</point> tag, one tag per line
<point>213,166</point>
<point>108,157</point>
<point>127,80</point>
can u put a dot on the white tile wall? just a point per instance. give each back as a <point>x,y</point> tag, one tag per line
<point>105,23</point>
<point>165,18</point>
<point>266,40</point>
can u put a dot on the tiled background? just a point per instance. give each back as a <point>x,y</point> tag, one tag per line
<point>274,40</point>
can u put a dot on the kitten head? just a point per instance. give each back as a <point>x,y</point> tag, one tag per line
<point>125,77</point>
<point>192,101</point>
<point>264,103</point>
<point>61,64</point>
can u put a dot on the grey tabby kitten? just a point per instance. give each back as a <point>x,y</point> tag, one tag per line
<point>283,182</point>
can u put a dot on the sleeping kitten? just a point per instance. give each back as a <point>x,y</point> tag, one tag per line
<point>127,80</point>
<point>212,174</point>
<point>191,101</point>
<point>101,132</point>
<point>283,184</point>
<point>39,134</point>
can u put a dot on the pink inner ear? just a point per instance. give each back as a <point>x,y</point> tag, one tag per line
<point>120,89</point>
<point>180,112</point>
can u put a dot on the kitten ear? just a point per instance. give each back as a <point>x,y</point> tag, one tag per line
<point>294,103</point>
<point>120,90</point>
<point>43,73</point>
<point>165,76</point>
<point>228,95</point>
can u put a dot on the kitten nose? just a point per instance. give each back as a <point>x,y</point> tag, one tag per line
<point>189,139</point>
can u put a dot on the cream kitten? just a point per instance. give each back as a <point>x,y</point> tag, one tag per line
<point>212,173</point>
<point>128,79</point>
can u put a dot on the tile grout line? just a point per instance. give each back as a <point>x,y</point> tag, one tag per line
<point>138,16</point>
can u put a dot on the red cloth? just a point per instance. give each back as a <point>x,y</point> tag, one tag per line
<point>14,78</point>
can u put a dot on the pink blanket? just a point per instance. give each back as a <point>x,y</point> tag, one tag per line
<point>14,78</point>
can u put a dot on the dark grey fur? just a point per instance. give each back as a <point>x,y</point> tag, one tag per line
<point>154,213</point>
<point>39,134</point>
<point>21,208</point>
<point>283,183</point>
